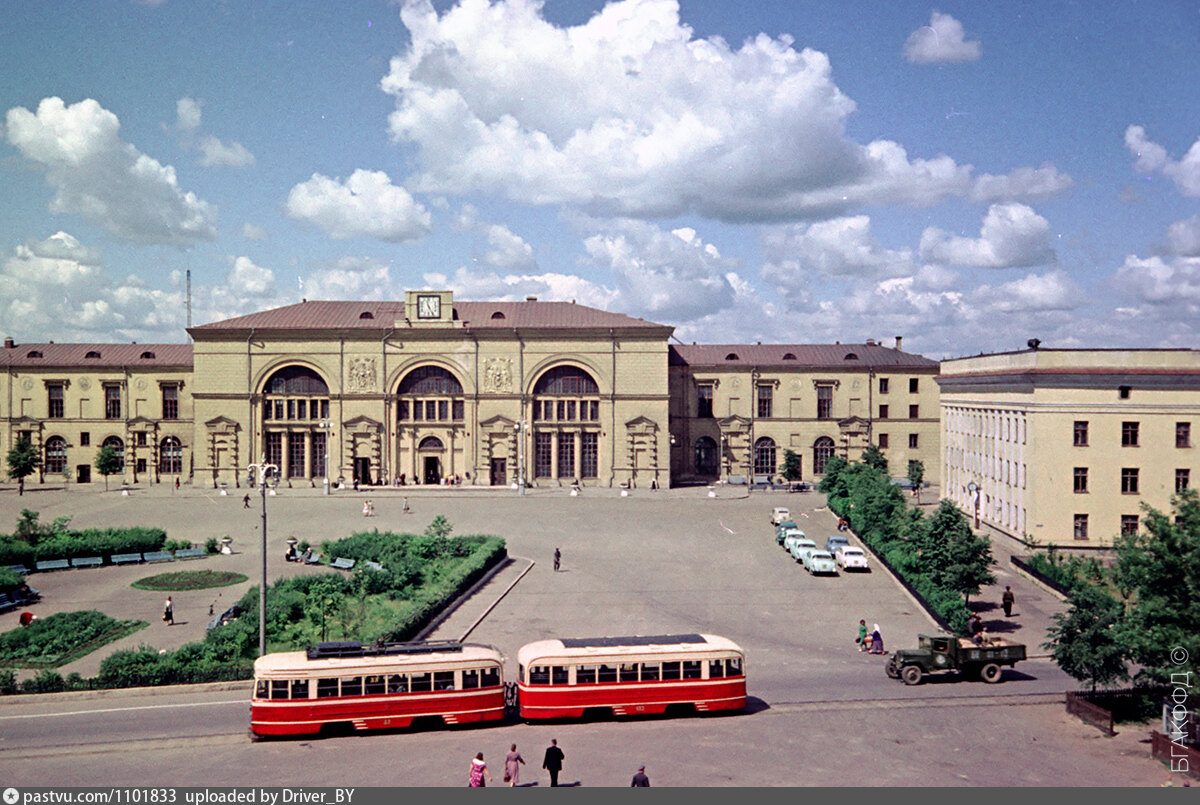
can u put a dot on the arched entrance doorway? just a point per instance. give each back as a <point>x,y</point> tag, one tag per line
<point>430,452</point>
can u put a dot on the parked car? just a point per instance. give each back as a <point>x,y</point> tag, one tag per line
<point>782,530</point>
<point>798,546</point>
<point>836,541</point>
<point>787,533</point>
<point>780,514</point>
<point>850,558</point>
<point>819,562</point>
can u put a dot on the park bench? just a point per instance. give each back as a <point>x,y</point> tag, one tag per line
<point>314,559</point>
<point>736,480</point>
<point>52,564</point>
<point>87,561</point>
<point>125,558</point>
<point>341,563</point>
<point>6,602</point>
<point>373,565</point>
<point>26,595</point>
<point>24,571</point>
<point>190,553</point>
<point>157,556</point>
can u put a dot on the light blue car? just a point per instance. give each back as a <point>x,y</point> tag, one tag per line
<point>820,562</point>
<point>798,546</point>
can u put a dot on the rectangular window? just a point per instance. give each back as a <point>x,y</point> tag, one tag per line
<point>914,441</point>
<point>1081,433</point>
<point>650,672</point>
<point>542,445</point>
<point>402,410</point>
<point>1129,434</point>
<point>317,470</point>
<point>443,680</point>
<point>589,455</point>
<point>85,439</point>
<point>398,683</point>
<point>1081,528</point>
<point>54,401</point>
<point>824,402</point>
<point>733,666</point>
<point>278,409</point>
<point>670,670</point>
<point>352,686</point>
<point>558,674</point>
<point>470,679</point>
<point>296,456</point>
<point>1183,434</point>
<point>704,401</point>
<point>327,688</point>
<point>570,410</point>
<point>585,675</point>
<point>112,402</point>
<point>443,410</point>
<point>883,412</point>
<point>629,672</point>
<point>716,669</point>
<point>566,455</point>
<point>291,409</point>
<point>275,448</point>
<point>457,409</point>
<point>422,683</point>
<point>692,669</point>
<point>765,394</point>
<point>883,385</point>
<point>418,411</point>
<point>1123,392</point>
<point>912,385</point>
<point>375,685</point>
<point>606,673</point>
<point>324,409</point>
<point>1129,524</point>
<point>170,402</point>
<point>267,409</point>
<point>594,408</point>
<point>562,410</point>
<point>1129,481</point>
<point>431,410</point>
<point>1081,475</point>
<point>490,677</point>
<point>301,409</point>
<point>140,438</point>
<point>883,441</point>
<point>1182,479</point>
<point>914,412</point>
<point>279,688</point>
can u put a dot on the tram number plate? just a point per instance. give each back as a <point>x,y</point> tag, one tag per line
<point>640,707</point>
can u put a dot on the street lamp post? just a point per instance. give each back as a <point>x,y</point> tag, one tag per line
<point>973,488</point>
<point>264,471</point>
<point>326,425</point>
<point>520,428</point>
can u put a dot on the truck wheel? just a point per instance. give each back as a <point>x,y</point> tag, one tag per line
<point>911,675</point>
<point>990,673</point>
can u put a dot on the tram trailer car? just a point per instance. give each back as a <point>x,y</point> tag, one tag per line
<point>642,675</point>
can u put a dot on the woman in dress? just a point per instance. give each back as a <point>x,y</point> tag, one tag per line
<point>876,641</point>
<point>478,769</point>
<point>512,766</point>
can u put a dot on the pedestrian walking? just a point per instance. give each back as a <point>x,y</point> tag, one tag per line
<point>246,501</point>
<point>169,612</point>
<point>406,509</point>
<point>877,641</point>
<point>478,769</point>
<point>553,761</point>
<point>512,766</point>
<point>1007,600</point>
<point>176,484</point>
<point>640,780</point>
<point>557,559</point>
<point>862,636</point>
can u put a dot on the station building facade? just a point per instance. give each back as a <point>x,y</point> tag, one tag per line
<point>430,389</point>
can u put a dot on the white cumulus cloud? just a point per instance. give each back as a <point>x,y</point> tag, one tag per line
<point>248,279</point>
<point>840,247</point>
<point>1152,157</point>
<point>98,176</point>
<point>1184,236</point>
<point>1012,235</point>
<point>365,205</point>
<point>942,41</point>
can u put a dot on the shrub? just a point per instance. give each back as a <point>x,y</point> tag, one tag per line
<point>8,682</point>
<point>44,682</point>
<point>211,545</point>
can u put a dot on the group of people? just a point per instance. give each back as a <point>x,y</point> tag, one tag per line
<point>869,641</point>
<point>291,555</point>
<point>478,775</point>
<point>368,508</point>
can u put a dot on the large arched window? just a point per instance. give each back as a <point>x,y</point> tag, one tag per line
<point>764,456</point>
<point>561,395</point>
<point>430,394</point>
<point>706,456</point>
<point>293,393</point>
<point>566,380</point>
<point>170,456</point>
<point>56,455</point>
<point>118,447</point>
<point>565,395</point>
<point>431,443</point>
<point>822,452</point>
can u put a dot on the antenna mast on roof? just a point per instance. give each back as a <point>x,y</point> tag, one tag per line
<point>189,298</point>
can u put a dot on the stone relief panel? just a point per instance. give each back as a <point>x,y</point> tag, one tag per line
<point>497,374</point>
<point>362,375</point>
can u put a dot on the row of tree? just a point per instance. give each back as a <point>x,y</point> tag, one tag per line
<point>24,460</point>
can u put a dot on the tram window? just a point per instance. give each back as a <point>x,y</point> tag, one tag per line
<point>299,688</point>
<point>607,673</point>
<point>671,670</point>
<point>443,680</point>
<point>539,675</point>
<point>352,686</point>
<point>327,688</point>
<point>716,669</point>
<point>629,672</point>
<point>558,674</point>
<point>279,688</point>
<point>260,690</point>
<point>421,682</point>
<point>470,679</point>
<point>490,677</point>
<point>585,675</point>
<point>691,669</point>
<point>375,685</point>
<point>733,666</point>
<point>398,683</point>
<point>649,672</point>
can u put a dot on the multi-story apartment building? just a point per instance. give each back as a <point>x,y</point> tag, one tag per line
<point>735,408</point>
<point>1064,446</point>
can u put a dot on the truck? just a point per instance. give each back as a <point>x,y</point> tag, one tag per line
<point>943,653</point>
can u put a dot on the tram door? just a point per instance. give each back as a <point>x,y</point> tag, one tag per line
<point>499,472</point>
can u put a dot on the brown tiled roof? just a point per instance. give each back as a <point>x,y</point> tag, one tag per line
<point>477,315</point>
<point>108,356</point>
<point>822,356</point>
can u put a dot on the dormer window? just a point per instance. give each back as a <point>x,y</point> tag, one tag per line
<point>789,356</point>
<point>732,356</point>
<point>850,356</point>
<point>148,356</point>
<point>366,314</point>
<point>92,355</point>
<point>497,315</point>
<point>33,353</point>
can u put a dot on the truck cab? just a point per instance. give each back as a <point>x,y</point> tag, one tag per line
<point>942,652</point>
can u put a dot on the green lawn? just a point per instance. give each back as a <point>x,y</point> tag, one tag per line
<point>59,639</point>
<point>189,580</point>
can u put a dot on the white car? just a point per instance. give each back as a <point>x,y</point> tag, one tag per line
<point>798,546</point>
<point>818,561</point>
<point>779,515</point>
<point>850,558</point>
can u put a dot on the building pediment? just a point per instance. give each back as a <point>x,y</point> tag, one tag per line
<point>363,424</point>
<point>222,424</point>
<point>498,424</point>
<point>853,424</point>
<point>735,423</point>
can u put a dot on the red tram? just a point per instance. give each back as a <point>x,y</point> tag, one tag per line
<point>375,687</point>
<point>565,678</point>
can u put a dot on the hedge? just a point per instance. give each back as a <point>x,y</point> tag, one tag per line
<point>90,542</point>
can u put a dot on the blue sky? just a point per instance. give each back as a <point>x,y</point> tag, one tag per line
<point>967,175</point>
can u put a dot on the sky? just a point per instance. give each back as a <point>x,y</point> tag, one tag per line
<point>966,175</point>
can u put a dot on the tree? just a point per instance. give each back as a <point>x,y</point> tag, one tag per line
<point>967,557</point>
<point>873,457</point>
<point>916,474</point>
<point>1084,640</point>
<point>23,459</point>
<point>791,465</point>
<point>108,462</point>
<point>439,527</point>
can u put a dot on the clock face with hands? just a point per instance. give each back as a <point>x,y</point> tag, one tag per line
<point>429,307</point>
